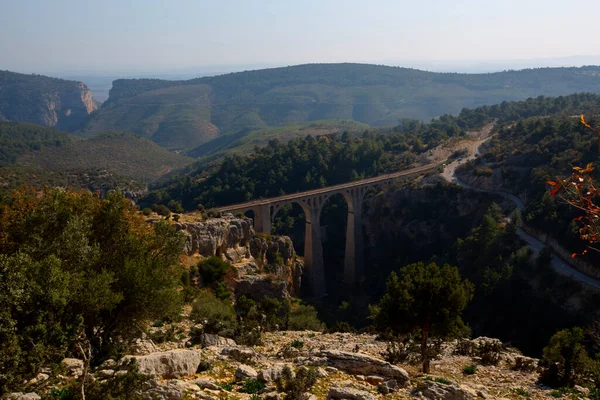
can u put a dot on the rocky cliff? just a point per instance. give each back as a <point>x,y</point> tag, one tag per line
<point>264,264</point>
<point>47,101</point>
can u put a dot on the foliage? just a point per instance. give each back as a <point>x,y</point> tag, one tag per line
<point>297,344</point>
<point>304,317</point>
<point>213,269</point>
<point>295,386</point>
<point>565,360</point>
<point>217,316</point>
<point>76,266</point>
<point>470,369</point>
<point>426,299</point>
<point>17,138</point>
<point>252,386</point>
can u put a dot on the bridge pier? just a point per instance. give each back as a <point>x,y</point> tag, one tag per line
<point>262,219</point>
<point>354,254</point>
<point>313,247</point>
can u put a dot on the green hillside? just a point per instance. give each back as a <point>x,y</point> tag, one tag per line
<point>18,138</point>
<point>245,141</point>
<point>121,153</point>
<point>47,101</point>
<point>186,114</point>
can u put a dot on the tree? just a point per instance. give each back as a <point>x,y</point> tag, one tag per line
<point>565,359</point>
<point>424,300</point>
<point>79,268</point>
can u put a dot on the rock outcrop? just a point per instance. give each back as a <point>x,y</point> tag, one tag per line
<point>168,364</point>
<point>235,240</point>
<point>362,364</point>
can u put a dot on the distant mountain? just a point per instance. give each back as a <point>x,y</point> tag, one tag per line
<point>186,114</point>
<point>46,101</point>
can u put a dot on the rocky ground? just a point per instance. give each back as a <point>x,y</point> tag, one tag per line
<point>348,366</point>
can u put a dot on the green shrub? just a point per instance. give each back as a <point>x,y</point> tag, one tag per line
<point>146,211</point>
<point>162,210</point>
<point>565,361</point>
<point>297,344</point>
<point>442,381</point>
<point>217,316</point>
<point>522,392</point>
<point>469,369</point>
<point>252,386</point>
<point>304,317</point>
<point>213,269</point>
<point>221,291</point>
<point>295,387</point>
<point>227,386</point>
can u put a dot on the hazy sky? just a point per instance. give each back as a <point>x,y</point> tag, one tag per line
<point>54,35</point>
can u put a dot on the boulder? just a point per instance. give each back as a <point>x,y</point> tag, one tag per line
<point>174,389</point>
<point>108,364</point>
<point>349,393</point>
<point>206,383</point>
<point>257,287</point>
<point>440,391</point>
<point>239,353</point>
<point>388,386</point>
<point>74,366</point>
<point>105,373</point>
<point>168,364</point>
<point>362,364</point>
<point>273,373</point>
<point>245,372</point>
<point>208,339</point>
<point>22,396</point>
<point>142,347</point>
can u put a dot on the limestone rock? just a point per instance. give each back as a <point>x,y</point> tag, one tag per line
<point>388,387</point>
<point>74,366</point>
<point>108,364</point>
<point>41,377</point>
<point>142,347</point>
<point>239,353</point>
<point>273,373</point>
<point>208,339</point>
<point>105,373</point>
<point>349,393</point>
<point>174,389</point>
<point>168,364</point>
<point>23,396</point>
<point>206,383</point>
<point>358,363</point>
<point>245,372</point>
<point>228,236</point>
<point>439,391</point>
<point>257,287</point>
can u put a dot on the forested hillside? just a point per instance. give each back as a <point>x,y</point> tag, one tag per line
<point>185,114</point>
<point>38,156</point>
<point>47,101</point>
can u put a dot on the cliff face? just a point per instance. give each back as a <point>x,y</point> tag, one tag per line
<point>263,265</point>
<point>53,102</point>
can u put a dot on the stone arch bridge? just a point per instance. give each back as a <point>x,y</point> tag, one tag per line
<point>312,202</point>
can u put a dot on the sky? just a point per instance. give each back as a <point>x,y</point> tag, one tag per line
<point>115,36</point>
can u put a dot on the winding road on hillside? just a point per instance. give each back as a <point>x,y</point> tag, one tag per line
<point>559,265</point>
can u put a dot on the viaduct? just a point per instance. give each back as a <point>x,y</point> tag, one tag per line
<point>312,202</point>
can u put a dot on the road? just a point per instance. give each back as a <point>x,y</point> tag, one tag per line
<point>559,265</point>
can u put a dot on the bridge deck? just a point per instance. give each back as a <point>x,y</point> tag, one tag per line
<point>300,195</point>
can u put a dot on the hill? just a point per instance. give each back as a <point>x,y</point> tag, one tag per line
<point>122,153</point>
<point>43,100</point>
<point>38,156</point>
<point>18,138</point>
<point>186,114</point>
<point>245,140</point>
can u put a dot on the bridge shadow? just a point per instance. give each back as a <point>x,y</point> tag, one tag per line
<point>290,220</point>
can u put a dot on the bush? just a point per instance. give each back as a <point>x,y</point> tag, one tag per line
<point>213,269</point>
<point>295,387</point>
<point>304,317</point>
<point>469,369</point>
<point>565,361</point>
<point>297,344</point>
<point>146,211</point>
<point>489,351</point>
<point>217,316</point>
<point>162,210</point>
<point>176,217</point>
<point>252,386</point>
